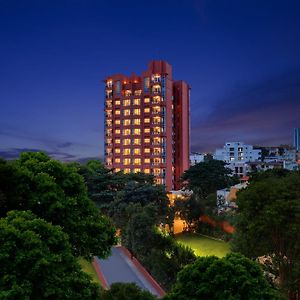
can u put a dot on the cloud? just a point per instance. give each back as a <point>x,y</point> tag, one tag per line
<point>263,113</point>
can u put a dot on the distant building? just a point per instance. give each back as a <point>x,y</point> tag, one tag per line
<point>237,154</point>
<point>196,158</point>
<point>296,139</point>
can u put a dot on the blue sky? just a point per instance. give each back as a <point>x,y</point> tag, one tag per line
<point>241,59</point>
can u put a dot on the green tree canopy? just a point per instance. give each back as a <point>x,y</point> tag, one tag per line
<point>37,262</point>
<point>126,291</point>
<point>268,223</point>
<point>233,277</point>
<point>56,192</point>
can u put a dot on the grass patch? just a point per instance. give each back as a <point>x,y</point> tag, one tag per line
<point>89,269</point>
<point>202,245</point>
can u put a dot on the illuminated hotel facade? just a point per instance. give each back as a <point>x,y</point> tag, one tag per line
<point>147,124</point>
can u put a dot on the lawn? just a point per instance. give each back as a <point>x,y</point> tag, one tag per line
<point>89,269</point>
<point>202,245</point>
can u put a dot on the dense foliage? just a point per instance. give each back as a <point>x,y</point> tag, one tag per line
<point>268,223</point>
<point>233,277</point>
<point>37,262</point>
<point>56,192</point>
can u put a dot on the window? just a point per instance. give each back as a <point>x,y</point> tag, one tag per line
<point>146,84</point>
<point>126,151</point>
<point>127,170</point>
<point>147,120</point>
<point>137,131</point>
<point>137,101</point>
<point>156,109</point>
<point>156,171</point>
<point>137,161</point>
<point>126,122</point>
<point>117,121</point>
<point>137,121</point>
<point>137,151</point>
<point>126,161</point>
<point>126,131</point>
<point>109,83</point>
<point>117,112</point>
<point>147,150</point>
<point>128,93</point>
<point>127,112</point>
<point>156,161</point>
<point>126,102</point>
<point>147,100</point>
<point>117,141</point>
<point>117,102</point>
<point>156,89</point>
<point>147,110</point>
<point>147,171</point>
<point>156,78</point>
<point>138,92</point>
<point>137,170</point>
<point>118,87</point>
<point>126,142</point>
<point>109,122</point>
<point>117,131</point>
<point>147,130</point>
<point>156,140</point>
<point>117,150</point>
<point>156,151</point>
<point>117,169</point>
<point>156,99</point>
<point>147,160</point>
<point>146,140</point>
<point>117,160</point>
<point>137,141</point>
<point>156,130</point>
<point>136,111</point>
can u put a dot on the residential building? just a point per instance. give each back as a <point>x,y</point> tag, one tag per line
<point>237,154</point>
<point>196,158</point>
<point>296,139</point>
<point>147,124</point>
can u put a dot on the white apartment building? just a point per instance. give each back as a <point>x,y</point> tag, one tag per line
<point>237,154</point>
<point>196,158</point>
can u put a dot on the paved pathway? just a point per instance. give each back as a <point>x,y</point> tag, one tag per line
<point>119,267</point>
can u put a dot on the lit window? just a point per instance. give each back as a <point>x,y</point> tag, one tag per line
<point>126,151</point>
<point>126,122</point>
<point>137,151</point>
<point>147,150</point>
<point>109,122</point>
<point>137,161</point>
<point>137,121</point>
<point>108,132</point>
<point>156,99</point>
<point>156,78</point>
<point>108,160</point>
<point>156,161</point>
<point>156,130</point>
<point>117,131</point>
<point>146,120</point>
<point>147,160</point>
<point>117,102</point>
<point>126,170</point>
<point>137,170</point>
<point>156,151</point>
<point>147,110</point>
<point>146,100</point>
<point>117,169</point>
<point>117,160</point>
<point>156,171</point>
<point>138,92</point>
<point>137,141</point>
<point>117,150</point>
<point>147,130</point>
<point>136,111</point>
<point>137,131</point>
<point>156,140</point>
<point>117,141</point>
<point>126,131</point>
<point>147,141</point>
<point>137,101</point>
<point>108,150</point>
<point>108,141</point>
<point>127,112</point>
<point>118,87</point>
<point>126,142</point>
<point>126,102</point>
<point>156,109</point>
<point>156,89</point>
<point>147,171</point>
<point>118,122</point>
<point>156,120</point>
<point>109,83</point>
<point>128,93</point>
<point>126,161</point>
<point>117,112</point>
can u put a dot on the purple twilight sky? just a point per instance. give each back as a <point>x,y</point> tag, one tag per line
<point>241,58</point>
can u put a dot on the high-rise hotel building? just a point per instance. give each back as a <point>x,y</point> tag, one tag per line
<point>147,124</point>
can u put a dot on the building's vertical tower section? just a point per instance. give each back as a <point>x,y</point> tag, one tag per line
<point>181,140</point>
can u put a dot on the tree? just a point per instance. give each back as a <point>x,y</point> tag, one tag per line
<point>232,277</point>
<point>126,291</point>
<point>268,223</point>
<point>207,177</point>
<point>56,192</point>
<point>37,262</point>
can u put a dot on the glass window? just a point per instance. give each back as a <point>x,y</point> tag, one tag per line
<point>137,170</point>
<point>126,142</point>
<point>147,141</point>
<point>147,171</point>
<point>147,100</point>
<point>126,161</point>
<point>126,151</point>
<point>117,102</point>
<point>126,122</point>
<point>117,150</point>
<point>147,150</point>
<point>117,160</point>
<point>117,169</point>
<point>137,101</point>
<point>147,130</point>
<point>118,87</point>
<point>147,110</point>
<point>117,141</point>
<point>117,131</point>
<point>126,102</point>
<point>137,151</point>
<point>147,160</point>
<point>137,141</point>
<point>117,121</point>
<point>117,112</point>
<point>137,161</point>
<point>138,92</point>
<point>137,121</point>
<point>126,170</point>
<point>127,112</point>
<point>146,84</point>
<point>137,131</point>
<point>136,111</point>
<point>126,131</point>
<point>147,120</point>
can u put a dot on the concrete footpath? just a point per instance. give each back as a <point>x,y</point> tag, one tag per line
<point>120,267</point>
